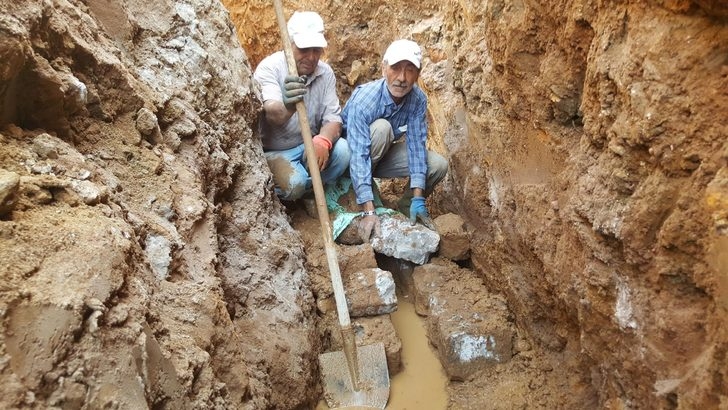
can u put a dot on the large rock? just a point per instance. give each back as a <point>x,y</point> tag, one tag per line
<point>467,341</point>
<point>454,238</point>
<point>468,325</point>
<point>402,240</point>
<point>370,330</point>
<point>351,259</point>
<point>370,292</point>
<point>426,284</point>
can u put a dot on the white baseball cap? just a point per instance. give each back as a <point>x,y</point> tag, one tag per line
<point>403,50</point>
<point>306,28</point>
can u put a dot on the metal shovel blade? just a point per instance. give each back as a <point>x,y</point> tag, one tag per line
<point>373,378</point>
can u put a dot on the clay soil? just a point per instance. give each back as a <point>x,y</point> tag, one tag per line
<point>146,262</point>
<point>532,378</point>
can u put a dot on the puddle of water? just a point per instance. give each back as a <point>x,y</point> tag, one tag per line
<point>421,382</point>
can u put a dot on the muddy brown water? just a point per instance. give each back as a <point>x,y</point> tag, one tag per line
<point>422,382</point>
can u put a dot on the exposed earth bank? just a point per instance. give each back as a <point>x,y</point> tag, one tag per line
<point>146,262</point>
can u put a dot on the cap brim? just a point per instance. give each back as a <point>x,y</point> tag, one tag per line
<point>309,40</point>
<point>394,61</point>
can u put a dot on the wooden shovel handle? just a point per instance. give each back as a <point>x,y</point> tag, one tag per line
<point>318,190</point>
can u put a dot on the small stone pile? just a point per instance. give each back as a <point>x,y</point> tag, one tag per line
<point>452,299</point>
<point>371,297</point>
<point>399,263</point>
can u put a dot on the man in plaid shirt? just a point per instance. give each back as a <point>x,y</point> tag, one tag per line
<point>385,124</point>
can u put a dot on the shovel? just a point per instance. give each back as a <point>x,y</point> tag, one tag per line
<point>366,383</point>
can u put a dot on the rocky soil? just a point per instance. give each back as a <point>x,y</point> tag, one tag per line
<point>146,262</point>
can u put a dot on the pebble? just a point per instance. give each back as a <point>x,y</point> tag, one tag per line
<point>9,185</point>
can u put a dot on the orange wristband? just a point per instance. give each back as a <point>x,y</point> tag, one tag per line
<point>324,141</point>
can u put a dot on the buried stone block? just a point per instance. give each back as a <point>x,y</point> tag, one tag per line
<point>370,292</point>
<point>402,240</point>
<point>351,259</point>
<point>159,251</point>
<point>466,344</point>
<point>454,239</point>
<point>9,187</point>
<point>355,258</point>
<point>468,325</point>
<point>426,281</point>
<point>369,331</point>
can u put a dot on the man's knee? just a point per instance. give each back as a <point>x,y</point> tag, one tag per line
<point>289,184</point>
<point>381,139</point>
<point>338,161</point>
<point>293,188</point>
<point>341,154</point>
<point>290,177</point>
<point>381,131</point>
<point>380,126</point>
<point>436,167</point>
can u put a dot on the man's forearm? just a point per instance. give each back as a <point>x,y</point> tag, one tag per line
<point>367,206</point>
<point>331,131</point>
<point>276,113</point>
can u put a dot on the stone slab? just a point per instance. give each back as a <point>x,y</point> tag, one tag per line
<point>454,238</point>
<point>402,240</point>
<point>370,292</point>
<point>466,343</point>
<point>370,330</point>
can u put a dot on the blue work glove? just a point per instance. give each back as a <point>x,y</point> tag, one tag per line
<point>418,210</point>
<point>293,90</point>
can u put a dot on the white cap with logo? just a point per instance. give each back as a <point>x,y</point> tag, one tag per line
<point>403,50</point>
<point>306,29</point>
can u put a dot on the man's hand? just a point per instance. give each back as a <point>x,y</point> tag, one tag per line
<point>368,224</point>
<point>322,147</point>
<point>293,90</point>
<point>418,210</point>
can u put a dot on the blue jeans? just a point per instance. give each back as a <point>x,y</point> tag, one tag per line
<point>290,176</point>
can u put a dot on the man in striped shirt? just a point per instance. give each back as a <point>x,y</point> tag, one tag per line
<point>385,124</point>
<point>280,128</point>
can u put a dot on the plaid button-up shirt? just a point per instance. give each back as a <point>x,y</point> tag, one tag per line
<point>370,102</point>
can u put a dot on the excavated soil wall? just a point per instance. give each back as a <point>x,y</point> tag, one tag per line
<point>145,260</point>
<point>588,154</point>
<point>593,162</point>
<point>147,263</point>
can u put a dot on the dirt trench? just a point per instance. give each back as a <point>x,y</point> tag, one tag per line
<point>146,262</point>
